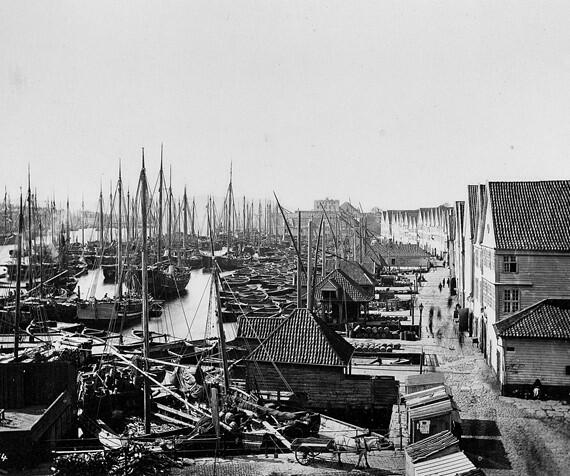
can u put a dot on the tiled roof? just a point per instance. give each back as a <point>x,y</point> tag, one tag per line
<point>357,273</point>
<point>304,339</point>
<point>532,216</point>
<point>340,280</point>
<point>472,194</point>
<point>431,445</point>
<point>547,319</point>
<point>257,327</point>
<point>394,250</point>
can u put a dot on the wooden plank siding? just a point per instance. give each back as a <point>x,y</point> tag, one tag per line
<point>535,358</point>
<point>326,388</point>
<point>539,276</point>
<point>25,384</point>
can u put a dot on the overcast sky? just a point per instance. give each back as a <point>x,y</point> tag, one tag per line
<point>395,104</point>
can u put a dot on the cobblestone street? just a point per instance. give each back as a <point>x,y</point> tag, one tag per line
<point>513,436</point>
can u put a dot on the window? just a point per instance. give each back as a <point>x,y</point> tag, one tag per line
<point>393,261</point>
<point>511,300</point>
<point>510,264</point>
<point>568,370</point>
<point>510,349</point>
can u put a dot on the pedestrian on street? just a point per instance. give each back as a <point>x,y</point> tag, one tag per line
<point>447,282</point>
<point>440,287</point>
<point>449,303</point>
<point>430,325</point>
<point>438,314</point>
<point>421,308</point>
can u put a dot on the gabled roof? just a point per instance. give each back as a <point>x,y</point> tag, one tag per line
<point>533,216</point>
<point>340,280</point>
<point>394,250</point>
<point>431,445</point>
<point>357,273</point>
<point>547,319</point>
<point>257,327</point>
<point>472,198</point>
<point>304,339</point>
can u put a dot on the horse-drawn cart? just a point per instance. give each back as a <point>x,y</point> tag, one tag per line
<point>307,450</point>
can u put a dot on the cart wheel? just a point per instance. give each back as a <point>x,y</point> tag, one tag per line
<point>305,457</point>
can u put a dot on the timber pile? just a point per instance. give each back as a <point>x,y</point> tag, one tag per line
<point>134,459</point>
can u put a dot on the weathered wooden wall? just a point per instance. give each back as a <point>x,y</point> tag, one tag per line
<point>326,388</point>
<point>536,358</point>
<point>24,384</point>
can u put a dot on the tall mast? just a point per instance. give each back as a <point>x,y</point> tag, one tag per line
<point>193,216</point>
<point>146,344</point>
<point>82,223</point>
<point>67,236</point>
<point>299,264</point>
<point>170,215</point>
<point>309,266</point>
<point>221,332</point>
<point>101,219</point>
<point>110,212</point>
<point>160,179</point>
<point>5,210</point>
<point>128,240</point>
<point>119,280</point>
<point>18,280</point>
<point>30,251</point>
<point>185,230</point>
<point>41,258</point>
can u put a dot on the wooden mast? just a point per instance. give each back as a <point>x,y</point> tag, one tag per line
<point>18,281</point>
<point>160,178</point>
<point>299,262</point>
<point>82,223</point>
<point>170,215</point>
<point>119,277</point>
<point>185,218</point>
<point>220,324</point>
<point>309,266</point>
<point>146,344</point>
<point>30,248</point>
<point>101,238</point>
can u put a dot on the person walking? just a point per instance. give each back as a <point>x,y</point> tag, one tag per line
<point>440,287</point>
<point>430,322</point>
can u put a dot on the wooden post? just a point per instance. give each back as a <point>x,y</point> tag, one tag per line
<point>299,264</point>
<point>309,266</point>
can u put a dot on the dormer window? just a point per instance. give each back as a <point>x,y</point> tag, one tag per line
<point>510,264</point>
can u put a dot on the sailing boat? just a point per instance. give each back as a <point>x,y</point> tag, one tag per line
<point>118,311</point>
<point>165,278</point>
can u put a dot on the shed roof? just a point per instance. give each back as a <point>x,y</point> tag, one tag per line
<point>431,410</point>
<point>304,339</point>
<point>340,280</point>
<point>431,445</point>
<point>428,395</point>
<point>257,327</point>
<point>547,319</point>
<point>533,216</point>
<point>449,465</point>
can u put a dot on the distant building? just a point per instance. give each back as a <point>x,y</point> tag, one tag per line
<point>328,204</point>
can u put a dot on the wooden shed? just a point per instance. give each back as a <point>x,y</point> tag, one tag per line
<point>304,356</point>
<point>429,412</point>
<point>342,300</point>
<point>535,344</point>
